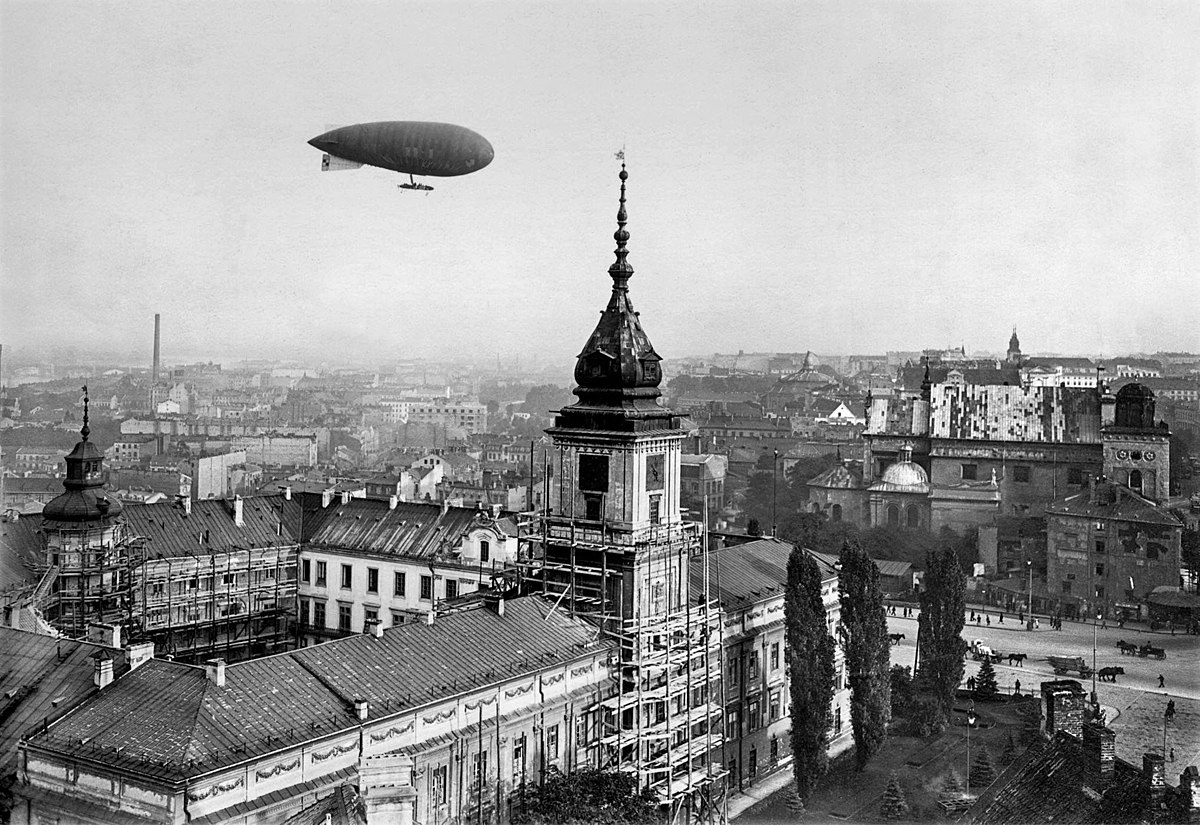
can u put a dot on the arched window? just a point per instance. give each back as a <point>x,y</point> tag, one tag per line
<point>836,510</point>
<point>914,515</point>
<point>1135,480</point>
<point>485,550</point>
<point>893,515</point>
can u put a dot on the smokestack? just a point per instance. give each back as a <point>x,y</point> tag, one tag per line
<point>157,328</point>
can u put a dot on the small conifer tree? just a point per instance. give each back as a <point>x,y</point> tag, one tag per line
<point>952,788</point>
<point>983,773</point>
<point>985,682</point>
<point>894,805</point>
<point>1010,750</point>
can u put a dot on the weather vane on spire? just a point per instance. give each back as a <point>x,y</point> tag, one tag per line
<point>621,154</point>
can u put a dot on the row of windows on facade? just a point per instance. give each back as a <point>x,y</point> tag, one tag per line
<point>347,575</point>
<point>1022,473</point>
<point>1130,548</point>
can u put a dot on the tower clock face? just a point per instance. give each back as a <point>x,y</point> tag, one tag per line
<point>654,472</point>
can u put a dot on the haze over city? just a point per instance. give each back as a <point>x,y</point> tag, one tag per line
<point>841,178</point>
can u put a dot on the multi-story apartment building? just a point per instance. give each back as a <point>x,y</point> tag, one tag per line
<point>366,562</point>
<point>750,580</point>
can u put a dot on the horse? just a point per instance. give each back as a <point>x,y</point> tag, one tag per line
<point>1127,649</point>
<point>1110,674</point>
<point>1018,658</point>
<point>895,638</point>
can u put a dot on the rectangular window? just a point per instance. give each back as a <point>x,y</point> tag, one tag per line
<point>752,667</point>
<point>593,473</point>
<point>479,771</point>
<point>1074,475</point>
<point>753,762</point>
<point>1099,591</point>
<point>318,614</point>
<point>774,750</point>
<point>518,760</point>
<point>344,613</point>
<point>439,783</point>
<point>774,711</point>
<point>451,589</point>
<point>552,742</point>
<point>306,571</point>
<point>733,724</point>
<point>1099,569</point>
<point>321,574</point>
<point>754,714</point>
<point>304,611</point>
<point>655,502</point>
<point>1100,545</point>
<point>581,730</point>
<point>427,588</point>
<point>399,585</point>
<point>372,580</point>
<point>731,670</point>
<point>970,472</point>
<point>1021,474</point>
<point>347,577</point>
<point>593,507</point>
<point>370,617</point>
<point>485,551</point>
<point>775,656</point>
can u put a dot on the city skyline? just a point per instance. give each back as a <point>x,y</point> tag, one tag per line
<point>883,178</point>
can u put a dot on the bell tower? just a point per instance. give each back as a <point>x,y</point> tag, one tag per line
<point>616,552</point>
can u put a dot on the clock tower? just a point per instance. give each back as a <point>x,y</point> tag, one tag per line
<point>615,550</point>
<point>1137,452</point>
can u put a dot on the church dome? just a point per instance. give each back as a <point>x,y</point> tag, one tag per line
<point>84,498</point>
<point>905,474</point>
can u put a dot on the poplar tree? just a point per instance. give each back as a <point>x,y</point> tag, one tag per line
<point>810,664</point>
<point>940,625</point>
<point>866,649</point>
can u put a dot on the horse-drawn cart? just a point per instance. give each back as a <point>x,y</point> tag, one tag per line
<point>1067,664</point>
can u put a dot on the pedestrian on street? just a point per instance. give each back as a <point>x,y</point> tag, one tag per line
<point>1001,617</point>
<point>972,615</point>
<point>1161,681</point>
<point>989,619</point>
<point>1021,617</point>
<point>971,683</point>
<point>1170,714</point>
<point>1172,754</point>
<point>1036,625</point>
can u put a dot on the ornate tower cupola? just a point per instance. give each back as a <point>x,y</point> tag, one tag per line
<point>617,372</point>
<point>84,499</point>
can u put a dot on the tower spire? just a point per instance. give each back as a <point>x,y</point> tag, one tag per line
<point>621,271</point>
<point>86,431</point>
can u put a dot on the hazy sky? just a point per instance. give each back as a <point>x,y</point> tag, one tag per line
<point>842,177</point>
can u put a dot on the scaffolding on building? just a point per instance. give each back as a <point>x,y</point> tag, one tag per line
<point>664,723</point>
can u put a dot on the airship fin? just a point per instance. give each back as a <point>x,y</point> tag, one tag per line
<point>332,163</point>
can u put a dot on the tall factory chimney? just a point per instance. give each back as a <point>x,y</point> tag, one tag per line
<point>157,324</point>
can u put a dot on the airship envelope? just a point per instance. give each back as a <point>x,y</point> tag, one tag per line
<point>407,146</point>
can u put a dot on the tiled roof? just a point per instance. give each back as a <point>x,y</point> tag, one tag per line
<point>14,485</point>
<point>911,377</point>
<point>1034,414</point>
<point>412,529</point>
<point>747,573</point>
<point>20,551</point>
<point>171,532</point>
<point>1112,501</point>
<point>344,807</point>
<point>1050,787</point>
<point>40,677</point>
<point>169,720</point>
<point>839,477</point>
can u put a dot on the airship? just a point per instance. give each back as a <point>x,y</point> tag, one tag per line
<point>405,146</point>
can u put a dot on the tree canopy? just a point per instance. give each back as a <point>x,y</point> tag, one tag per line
<point>810,650</point>
<point>940,625</point>
<point>867,650</point>
<point>587,796</point>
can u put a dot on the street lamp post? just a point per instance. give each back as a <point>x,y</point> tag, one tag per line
<point>774,487</point>
<point>970,724</point>
<point>1029,623</point>
<point>1095,625</point>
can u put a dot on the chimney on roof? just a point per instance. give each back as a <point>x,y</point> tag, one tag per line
<point>239,519</point>
<point>345,496</point>
<point>431,617</point>
<point>1189,792</point>
<point>361,707</point>
<point>138,654</point>
<point>445,506</point>
<point>187,505</point>
<point>373,627</point>
<point>102,669</point>
<point>1099,743</point>
<point>326,498</point>
<point>392,502</point>
<point>157,330</point>
<point>287,493</point>
<point>1063,707</point>
<point>385,786</point>
<point>495,511</point>
<point>1154,780</point>
<point>108,635</point>
<point>214,669</point>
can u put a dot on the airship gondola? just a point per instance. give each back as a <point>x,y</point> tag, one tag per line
<point>406,146</point>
